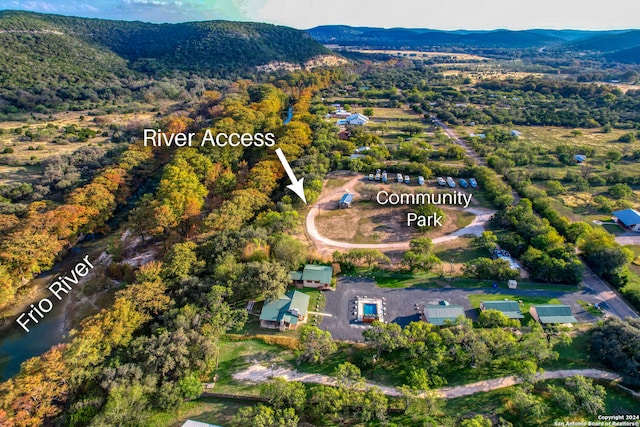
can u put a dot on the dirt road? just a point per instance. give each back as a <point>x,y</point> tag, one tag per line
<point>258,373</point>
<point>327,246</point>
<point>591,283</point>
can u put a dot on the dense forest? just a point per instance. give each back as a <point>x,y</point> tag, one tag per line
<point>48,59</point>
<point>225,240</point>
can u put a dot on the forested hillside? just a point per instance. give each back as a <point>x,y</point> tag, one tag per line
<point>47,58</point>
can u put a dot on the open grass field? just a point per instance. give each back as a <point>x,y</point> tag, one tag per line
<point>459,251</point>
<point>368,222</point>
<point>22,164</point>
<point>422,54</point>
<point>380,113</point>
<point>549,137</point>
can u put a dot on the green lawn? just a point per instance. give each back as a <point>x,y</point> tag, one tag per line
<point>590,308</point>
<point>575,355</point>
<point>459,251</point>
<point>400,279</point>
<point>235,356</point>
<point>210,410</point>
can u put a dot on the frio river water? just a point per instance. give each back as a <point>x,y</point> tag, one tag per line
<point>17,345</point>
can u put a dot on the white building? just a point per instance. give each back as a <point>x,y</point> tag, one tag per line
<point>357,119</point>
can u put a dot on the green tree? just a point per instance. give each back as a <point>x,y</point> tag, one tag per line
<point>477,421</point>
<point>614,156</point>
<point>627,137</point>
<point>289,251</point>
<point>266,279</point>
<point>181,261</point>
<point>493,269</point>
<point>349,376</point>
<point>316,344</point>
<point>368,112</point>
<point>563,399</point>
<point>620,191</point>
<point>487,240</point>
<point>495,319</point>
<point>374,405</point>
<point>420,256</point>
<point>411,129</point>
<point>384,337</point>
<point>264,416</point>
<point>283,394</point>
<point>356,165</point>
<point>369,256</point>
<point>554,187</point>
<point>590,398</point>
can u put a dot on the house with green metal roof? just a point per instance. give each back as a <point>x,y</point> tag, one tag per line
<point>439,314</point>
<point>286,312</point>
<point>552,314</point>
<point>313,276</point>
<point>511,309</point>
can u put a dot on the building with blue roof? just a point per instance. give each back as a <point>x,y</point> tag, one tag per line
<point>628,218</point>
<point>345,200</point>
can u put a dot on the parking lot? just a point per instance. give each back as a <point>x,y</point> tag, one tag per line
<point>401,303</point>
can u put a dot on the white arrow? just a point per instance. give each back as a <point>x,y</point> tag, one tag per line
<point>295,186</point>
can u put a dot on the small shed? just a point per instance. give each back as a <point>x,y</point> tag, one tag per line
<point>512,284</point>
<point>345,200</point>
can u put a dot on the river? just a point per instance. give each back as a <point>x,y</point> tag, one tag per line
<point>17,345</point>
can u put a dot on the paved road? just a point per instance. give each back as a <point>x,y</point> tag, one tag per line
<point>259,373</point>
<point>401,303</point>
<point>329,197</point>
<point>628,238</point>
<point>614,304</point>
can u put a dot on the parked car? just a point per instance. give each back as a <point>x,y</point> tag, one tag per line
<point>421,180</point>
<point>441,181</point>
<point>407,180</point>
<point>450,182</point>
<point>473,182</point>
<point>370,177</point>
<point>399,178</point>
<point>463,183</point>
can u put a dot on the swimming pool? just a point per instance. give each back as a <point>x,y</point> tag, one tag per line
<point>370,309</point>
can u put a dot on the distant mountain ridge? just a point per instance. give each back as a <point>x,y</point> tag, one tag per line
<point>46,60</point>
<point>189,46</point>
<point>602,42</point>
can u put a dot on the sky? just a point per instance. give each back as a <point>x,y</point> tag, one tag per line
<point>303,14</point>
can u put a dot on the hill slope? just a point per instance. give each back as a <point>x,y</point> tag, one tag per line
<point>48,58</point>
